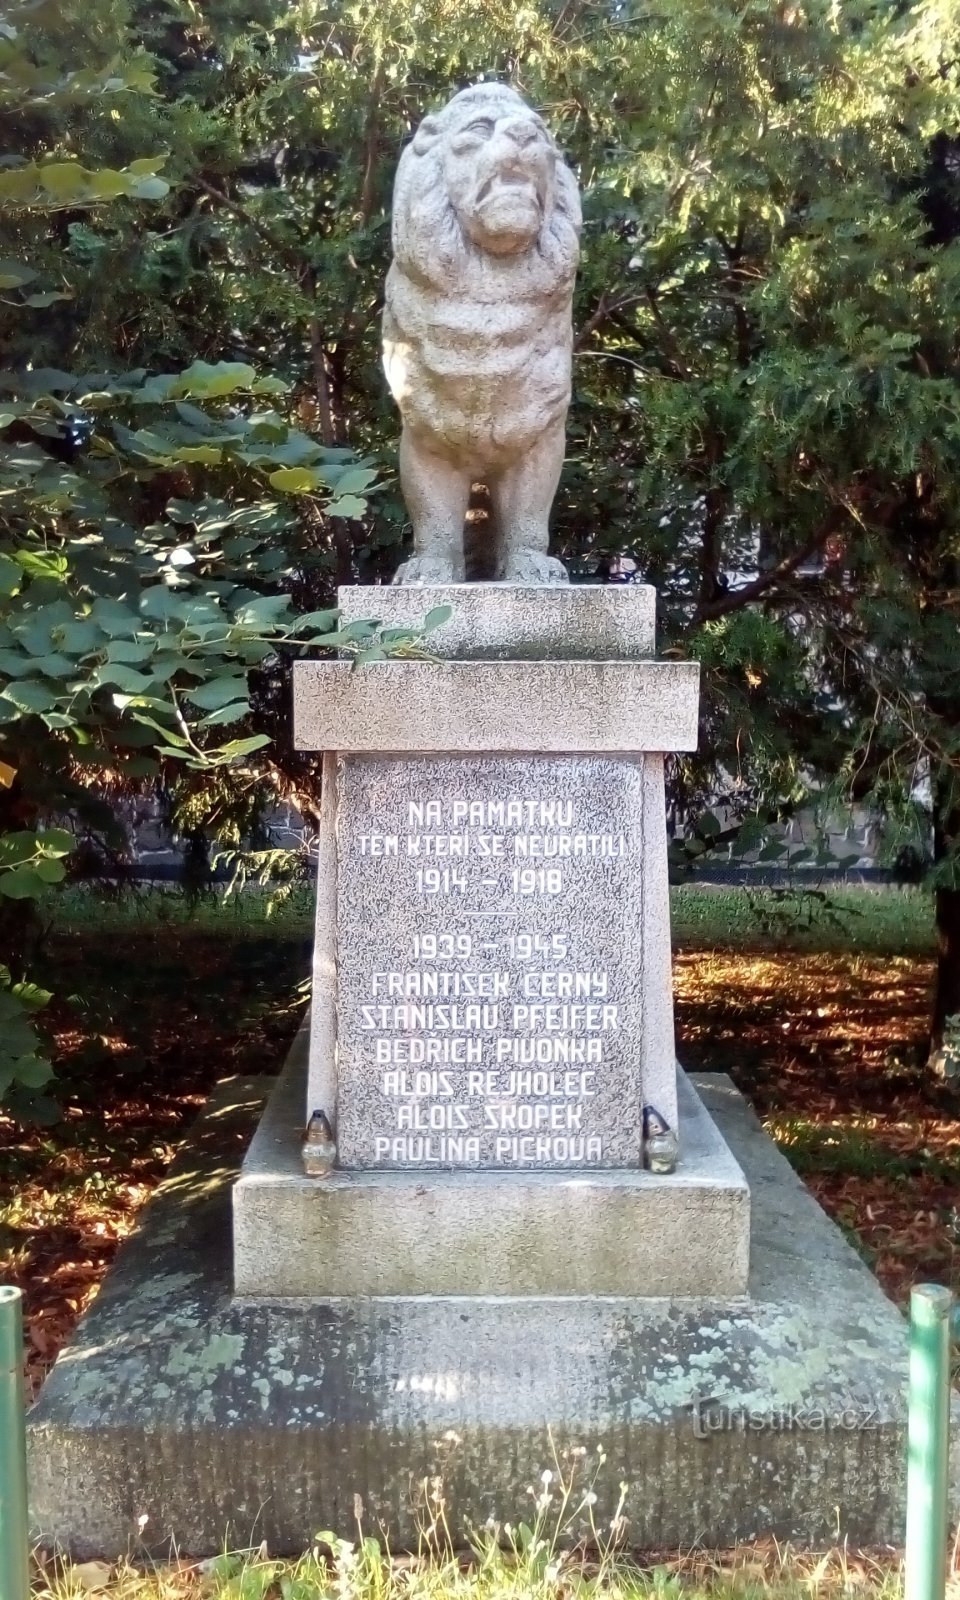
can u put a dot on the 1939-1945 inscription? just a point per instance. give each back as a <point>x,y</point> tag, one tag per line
<point>489,1010</point>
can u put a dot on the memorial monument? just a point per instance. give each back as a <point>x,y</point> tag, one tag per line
<point>492,1006</point>
<point>483,1217</point>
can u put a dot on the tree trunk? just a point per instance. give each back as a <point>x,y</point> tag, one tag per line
<point>944,1050</point>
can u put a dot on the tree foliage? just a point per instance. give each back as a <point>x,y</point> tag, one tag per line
<point>196,225</point>
<point>150,543</point>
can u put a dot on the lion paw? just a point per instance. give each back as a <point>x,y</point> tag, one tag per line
<point>529,566</point>
<point>424,571</point>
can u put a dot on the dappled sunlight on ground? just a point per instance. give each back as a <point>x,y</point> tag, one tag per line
<point>823,1044</point>
<point>163,1017</point>
<point>826,1048</point>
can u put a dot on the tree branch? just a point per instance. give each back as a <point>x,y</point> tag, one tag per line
<point>318,359</point>
<point>734,599</point>
<point>279,247</point>
<point>670,346</point>
<point>606,309</point>
<point>370,145</point>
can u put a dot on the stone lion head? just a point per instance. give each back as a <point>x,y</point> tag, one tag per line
<point>483,177</point>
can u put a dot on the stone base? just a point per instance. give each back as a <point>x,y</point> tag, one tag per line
<point>487,1233</point>
<point>217,1419</point>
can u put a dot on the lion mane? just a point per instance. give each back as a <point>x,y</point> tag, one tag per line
<point>477,346</point>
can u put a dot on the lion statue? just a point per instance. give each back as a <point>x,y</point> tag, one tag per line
<point>477,335</point>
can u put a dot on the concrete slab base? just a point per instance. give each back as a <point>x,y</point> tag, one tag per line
<point>487,1233</point>
<point>214,1418</point>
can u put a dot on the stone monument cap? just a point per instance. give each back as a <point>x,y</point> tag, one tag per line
<point>517,622</point>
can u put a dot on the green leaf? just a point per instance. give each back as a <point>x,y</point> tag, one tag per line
<point>389,636</point>
<point>265,610</point>
<point>245,747</point>
<point>212,381</point>
<point>21,883</point>
<point>354,481</point>
<point>56,841</point>
<point>218,692</point>
<point>64,180</point>
<point>55,665</point>
<point>11,576</point>
<point>14,274</point>
<point>32,1071</point>
<point>150,189</point>
<point>295,480</point>
<point>355,631</point>
<point>141,767</point>
<point>162,604</point>
<point>230,713</point>
<point>13,664</point>
<point>114,618</point>
<point>146,166</point>
<point>348,506</point>
<point>78,636</point>
<point>31,995</point>
<point>114,675</point>
<point>168,735</point>
<point>29,696</point>
<point>16,847</point>
<point>50,871</point>
<point>32,1110</point>
<point>132,652</point>
<point>323,621</point>
<point>436,617</point>
<point>42,563</point>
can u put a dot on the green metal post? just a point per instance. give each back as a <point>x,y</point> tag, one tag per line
<point>14,1548</point>
<point>928,1431</point>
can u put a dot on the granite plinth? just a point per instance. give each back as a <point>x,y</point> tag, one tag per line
<point>469,707</point>
<point>503,991</point>
<point>220,1419</point>
<point>487,1233</point>
<point>517,622</point>
<point>492,916</point>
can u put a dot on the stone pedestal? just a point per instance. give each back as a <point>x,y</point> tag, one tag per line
<point>383,1232</point>
<point>468,1300</point>
<point>492,1022</point>
<point>184,1414</point>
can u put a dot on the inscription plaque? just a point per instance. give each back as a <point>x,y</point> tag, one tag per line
<point>490,961</point>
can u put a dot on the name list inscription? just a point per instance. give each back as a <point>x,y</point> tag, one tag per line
<point>484,1017</point>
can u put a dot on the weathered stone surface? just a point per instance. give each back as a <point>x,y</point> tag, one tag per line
<point>427,878</point>
<point>495,963</point>
<point>322,1077</point>
<point>517,622</point>
<point>476,706</point>
<point>246,1420</point>
<point>477,335</point>
<point>487,1233</point>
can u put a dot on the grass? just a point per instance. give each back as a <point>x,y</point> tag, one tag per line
<point>881,921</point>
<point>558,1552</point>
<point>362,1573</point>
<point>845,919</point>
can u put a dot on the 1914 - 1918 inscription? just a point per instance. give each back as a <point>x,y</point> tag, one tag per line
<point>490,962</point>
